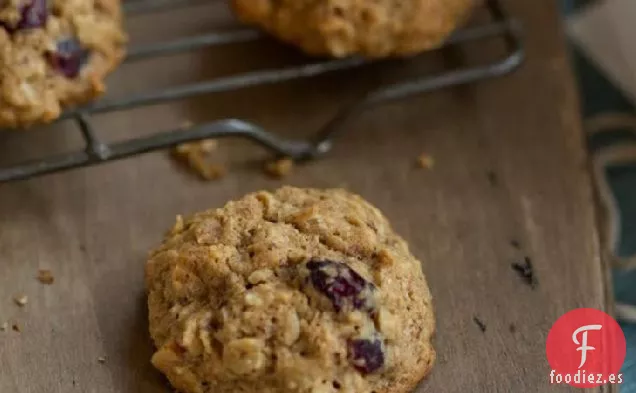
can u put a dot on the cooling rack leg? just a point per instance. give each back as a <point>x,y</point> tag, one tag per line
<point>95,149</point>
<point>43,166</point>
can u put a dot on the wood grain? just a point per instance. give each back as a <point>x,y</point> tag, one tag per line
<point>509,165</point>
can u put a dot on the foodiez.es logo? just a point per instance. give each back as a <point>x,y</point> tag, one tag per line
<point>586,348</point>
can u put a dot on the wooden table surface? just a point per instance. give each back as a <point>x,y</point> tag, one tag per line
<point>509,166</point>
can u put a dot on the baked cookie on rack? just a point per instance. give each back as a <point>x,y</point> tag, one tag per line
<point>55,54</point>
<point>339,28</point>
<point>298,290</point>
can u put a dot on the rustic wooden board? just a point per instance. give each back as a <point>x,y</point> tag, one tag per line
<point>509,165</point>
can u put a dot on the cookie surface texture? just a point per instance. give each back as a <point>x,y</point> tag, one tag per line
<point>55,54</point>
<point>298,290</point>
<point>378,28</point>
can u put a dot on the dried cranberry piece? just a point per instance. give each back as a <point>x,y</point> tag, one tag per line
<point>342,285</point>
<point>367,356</point>
<point>69,57</point>
<point>33,14</point>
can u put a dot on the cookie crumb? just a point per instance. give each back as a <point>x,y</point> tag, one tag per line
<point>279,168</point>
<point>214,172</point>
<point>21,300</point>
<point>208,145</point>
<point>515,244</point>
<point>45,277</point>
<point>481,325</point>
<point>425,161</point>
<point>512,328</point>
<point>194,154</point>
<point>102,359</point>
<point>526,272</point>
<point>4,327</point>
<point>203,146</point>
<point>16,328</point>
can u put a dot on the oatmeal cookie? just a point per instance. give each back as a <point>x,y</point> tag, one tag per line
<point>54,54</point>
<point>379,28</point>
<point>299,290</point>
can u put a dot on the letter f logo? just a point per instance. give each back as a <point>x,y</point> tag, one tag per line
<point>583,344</point>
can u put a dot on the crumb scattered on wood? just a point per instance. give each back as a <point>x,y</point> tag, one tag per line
<point>212,171</point>
<point>21,300</point>
<point>526,272</point>
<point>101,359</point>
<point>4,326</point>
<point>16,327</point>
<point>45,277</point>
<point>425,161</point>
<point>515,244</point>
<point>195,155</point>
<point>279,168</point>
<point>512,328</point>
<point>204,146</point>
<point>493,179</point>
<point>480,324</point>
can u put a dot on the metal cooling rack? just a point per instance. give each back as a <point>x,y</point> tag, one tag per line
<point>97,152</point>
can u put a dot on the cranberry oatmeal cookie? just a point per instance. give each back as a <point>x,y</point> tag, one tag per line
<point>378,28</point>
<point>53,54</point>
<point>299,290</point>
